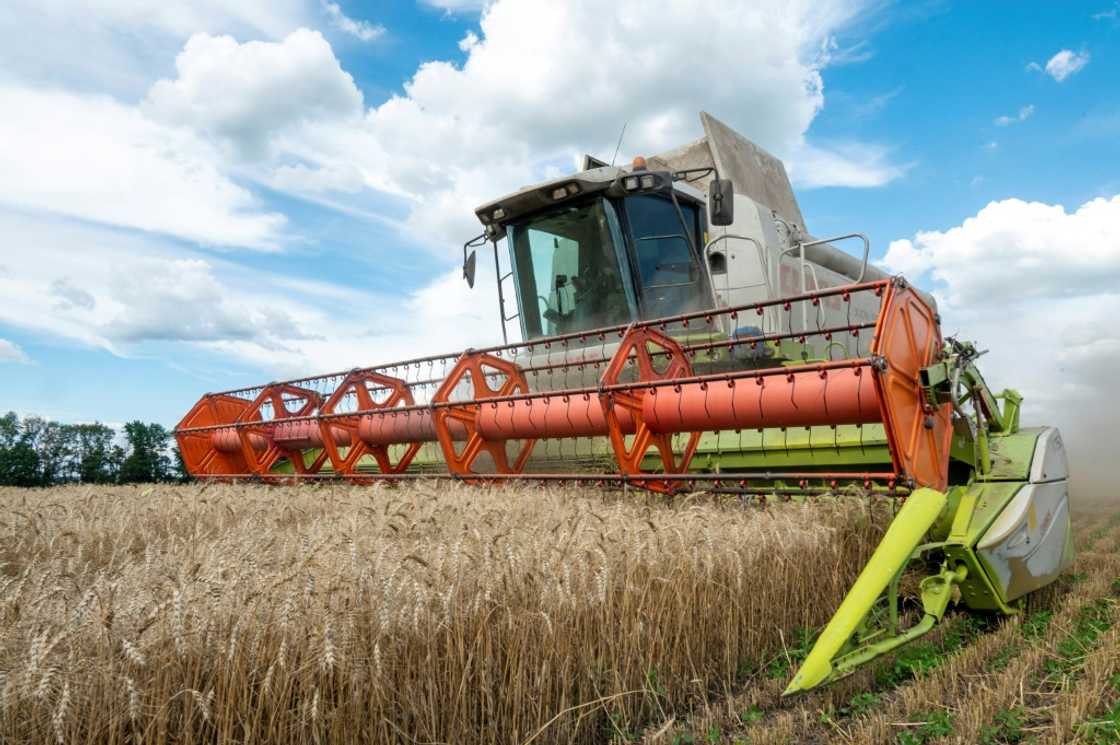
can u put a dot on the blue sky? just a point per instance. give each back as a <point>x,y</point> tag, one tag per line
<point>199,196</point>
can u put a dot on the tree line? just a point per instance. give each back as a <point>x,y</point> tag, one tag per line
<point>39,452</point>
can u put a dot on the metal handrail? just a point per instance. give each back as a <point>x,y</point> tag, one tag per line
<point>762,260</point>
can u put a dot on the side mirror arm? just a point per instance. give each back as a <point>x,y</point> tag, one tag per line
<point>470,258</point>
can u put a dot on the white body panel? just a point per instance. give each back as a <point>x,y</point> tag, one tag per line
<point>752,262</point>
<point>1029,544</point>
<point>1049,462</point>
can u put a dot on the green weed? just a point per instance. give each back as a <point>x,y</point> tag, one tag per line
<point>860,704</point>
<point>1035,625</point>
<point>1093,620</point>
<point>916,660</point>
<point>1006,728</point>
<point>934,725</point>
<point>1003,658</point>
<point>782,665</point>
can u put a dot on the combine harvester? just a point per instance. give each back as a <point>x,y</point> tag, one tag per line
<point>681,330</point>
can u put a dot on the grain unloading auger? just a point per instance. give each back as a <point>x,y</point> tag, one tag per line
<point>677,343</point>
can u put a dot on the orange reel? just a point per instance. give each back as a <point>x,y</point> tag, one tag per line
<point>472,371</point>
<point>638,347</point>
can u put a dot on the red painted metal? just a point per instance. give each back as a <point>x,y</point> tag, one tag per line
<point>286,402</point>
<point>409,425</point>
<point>635,350</point>
<point>795,398</point>
<point>338,432</point>
<point>473,373</point>
<point>908,338</point>
<point>200,451</point>
<point>549,416</point>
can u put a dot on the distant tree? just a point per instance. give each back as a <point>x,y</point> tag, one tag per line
<point>39,452</point>
<point>19,465</point>
<point>147,460</point>
<point>9,430</point>
<point>94,459</point>
<point>19,461</point>
<point>180,472</point>
<point>56,446</point>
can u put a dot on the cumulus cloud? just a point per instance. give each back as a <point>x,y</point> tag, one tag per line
<point>461,134</point>
<point>244,94</point>
<point>1014,251</point>
<point>1024,114</point>
<point>122,288</point>
<point>11,352</point>
<point>124,292</point>
<point>1063,64</point>
<point>362,30</point>
<point>469,115</point>
<point>118,45</point>
<point>119,167</point>
<point>1038,286</point>
<point>70,295</point>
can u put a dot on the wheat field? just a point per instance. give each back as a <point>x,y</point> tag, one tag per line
<point>433,613</point>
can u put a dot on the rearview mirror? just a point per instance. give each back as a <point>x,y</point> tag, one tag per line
<point>721,202</point>
<point>468,268</point>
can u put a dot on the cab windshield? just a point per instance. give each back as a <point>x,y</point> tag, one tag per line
<point>671,278</point>
<point>567,270</point>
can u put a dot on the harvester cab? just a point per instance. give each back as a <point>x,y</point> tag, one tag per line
<point>681,330</point>
<point>710,225</point>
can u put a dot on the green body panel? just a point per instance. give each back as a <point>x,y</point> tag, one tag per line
<point>979,504</point>
<point>791,449</point>
<point>991,498</point>
<point>1011,455</point>
<point>978,592</point>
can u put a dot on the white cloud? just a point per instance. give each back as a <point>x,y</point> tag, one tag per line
<point>1038,286</point>
<point>1063,64</point>
<point>1014,250</point>
<point>11,352</point>
<point>457,6</point>
<point>462,134</point>
<point>1024,114</point>
<point>118,46</point>
<point>244,94</point>
<point>362,30</point>
<point>1111,14</point>
<point>93,158</point>
<point>128,293</point>
<point>468,42</point>
<point>286,115</point>
<point>852,164</point>
<point>109,288</point>
<point>271,18</point>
